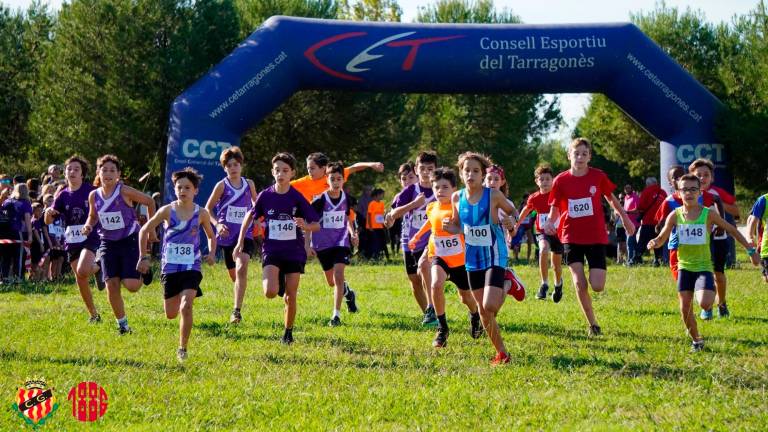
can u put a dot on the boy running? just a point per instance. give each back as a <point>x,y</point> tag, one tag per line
<point>286,215</point>
<point>757,222</point>
<point>694,225</point>
<point>181,256</point>
<point>331,244</point>
<point>575,203</point>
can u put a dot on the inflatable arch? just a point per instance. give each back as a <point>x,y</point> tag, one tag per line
<point>288,54</point>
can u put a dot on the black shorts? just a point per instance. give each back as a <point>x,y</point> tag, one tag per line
<point>764,265</point>
<point>594,254</point>
<point>621,234</point>
<point>554,243</point>
<point>332,256</point>
<point>35,252</point>
<point>249,247</point>
<point>695,281</point>
<point>57,253</point>
<point>719,250</point>
<point>492,276</point>
<point>73,254</point>
<point>118,258</point>
<point>412,260</point>
<point>285,266</point>
<point>175,283</point>
<point>457,275</point>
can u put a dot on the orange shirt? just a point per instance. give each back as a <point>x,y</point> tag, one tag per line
<point>312,189</point>
<point>375,215</point>
<point>449,247</point>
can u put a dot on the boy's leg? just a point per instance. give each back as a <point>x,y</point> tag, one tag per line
<point>338,282</point>
<point>291,289</point>
<point>270,280</point>
<point>241,278</point>
<point>185,323</point>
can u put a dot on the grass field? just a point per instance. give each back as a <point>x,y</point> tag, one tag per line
<point>379,372</point>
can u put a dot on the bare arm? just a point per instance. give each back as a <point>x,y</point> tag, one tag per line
<point>665,232</point>
<point>162,215</point>
<point>49,215</point>
<point>218,190</point>
<point>629,227</point>
<point>752,225</point>
<point>131,194</point>
<point>714,218</point>
<point>453,225</point>
<point>523,214</point>
<point>398,212</point>
<point>360,166</point>
<point>205,223</point>
<point>93,217</point>
<point>423,230</point>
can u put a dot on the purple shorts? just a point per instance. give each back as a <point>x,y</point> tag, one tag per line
<point>119,257</point>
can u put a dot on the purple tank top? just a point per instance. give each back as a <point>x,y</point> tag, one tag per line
<point>116,219</point>
<point>231,210</point>
<point>333,224</point>
<point>181,243</point>
<point>416,218</point>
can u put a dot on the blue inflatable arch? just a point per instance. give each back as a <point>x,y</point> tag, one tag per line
<point>289,54</point>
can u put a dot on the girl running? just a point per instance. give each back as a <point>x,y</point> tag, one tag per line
<point>110,208</point>
<point>286,215</point>
<point>445,252</point>
<point>71,206</point>
<point>575,203</point>
<point>56,236</point>
<point>331,244</point>
<point>694,223</point>
<point>230,200</point>
<point>181,257</point>
<point>476,214</point>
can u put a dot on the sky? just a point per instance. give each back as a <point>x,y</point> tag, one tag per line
<point>564,12</point>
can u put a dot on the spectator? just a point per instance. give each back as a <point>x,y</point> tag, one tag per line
<point>650,200</point>
<point>631,202</point>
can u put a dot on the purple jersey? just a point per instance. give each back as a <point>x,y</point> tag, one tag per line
<point>17,210</point>
<point>416,218</point>
<point>73,207</point>
<point>181,243</point>
<point>281,237</point>
<point>117,220</point>
<point>231,209</point>
<point>334,220</point>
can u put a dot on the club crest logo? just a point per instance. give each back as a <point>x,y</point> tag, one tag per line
<point>592,190</point>
<point>89,401</point>
<point>35,402</point>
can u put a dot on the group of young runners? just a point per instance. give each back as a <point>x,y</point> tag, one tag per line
<point>447,234</point>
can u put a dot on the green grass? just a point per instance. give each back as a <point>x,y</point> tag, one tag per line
<point>379,371</point>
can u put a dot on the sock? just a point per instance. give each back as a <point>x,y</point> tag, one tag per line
<point>443,322</point>
<point>336,313</point>
<point>346,288</point>
<point>430,307</point>
<point>123,322</point>
<point>559,284</point>
<point>545,282</point>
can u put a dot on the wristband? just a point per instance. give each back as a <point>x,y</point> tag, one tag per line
<point>751,251</point>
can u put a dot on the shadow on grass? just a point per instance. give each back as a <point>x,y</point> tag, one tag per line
<point>80,361</point>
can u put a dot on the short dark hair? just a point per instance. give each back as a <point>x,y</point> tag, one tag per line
<point>286,158</point>
<point>543,169</point>
<point>233,152</point>
<point>188,173</point>
<point>689,177</point>
<point>444,173</point>
<point>108,158</point>
<point>377,192</point>
<point>405,168</point>
<point>81,160</point>
<point>320,159</point>
<point>675,172</point>
<point>335,168</point>
<point>701,162</point>
<point>427,157</point>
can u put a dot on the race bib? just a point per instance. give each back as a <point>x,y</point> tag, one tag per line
<point>282,229</point>
<point>478,235</point>
<point>73,235</point>
<point>418,218</point>
<point>111,221</point>
<point>692,234</point>
<point>379,218</point>
<point>235,215</point>
<point>580,207</point>
<point>333,219</point>
<point>543,218</point>
<point>56,230</point>
<point>448,246</point>
<point>180,253</point>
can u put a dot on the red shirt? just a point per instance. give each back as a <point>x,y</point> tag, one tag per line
<point>578,198</point>
<point>725,197</point>
<point>674,201</point>
<point>540,203</point>
<point>650,201</point>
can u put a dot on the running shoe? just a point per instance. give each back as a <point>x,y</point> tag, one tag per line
<point>147,277</point>
<point>181,355</point>
<point>722,311</point>
<point>235,318</point>
<point>706,315</point>
<point>123,330</point>
<point>94,319</point>
<point>595,330</point>
<point>287,338</point>
<point>499,359</point>
<point>476,327</point>
<point>557,295</point>
<point>441,339</point>
<point>517,289</point>
<point>430,318</point>
<point>334,322</point>
<point>697,346</point>
<point>349,296</point>
<point>542,294</point>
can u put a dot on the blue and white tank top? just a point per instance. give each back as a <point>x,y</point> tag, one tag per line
<point>484,240</point>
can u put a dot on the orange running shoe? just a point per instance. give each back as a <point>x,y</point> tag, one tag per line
<point>501,358</point>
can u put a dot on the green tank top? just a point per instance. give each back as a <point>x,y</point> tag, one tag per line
<point>764,243</point>
<point>693,252</point>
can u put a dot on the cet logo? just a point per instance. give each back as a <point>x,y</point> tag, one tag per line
<point>364,56</point>
<point>89,401</point>
<point>35,402</point>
